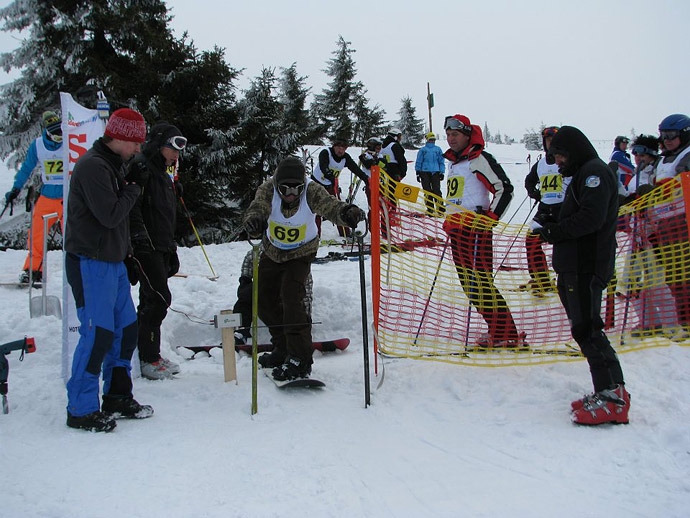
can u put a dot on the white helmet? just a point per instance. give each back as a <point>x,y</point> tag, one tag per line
<point>395,131</point>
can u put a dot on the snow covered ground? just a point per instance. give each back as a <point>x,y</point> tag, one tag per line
<point>438,440</point>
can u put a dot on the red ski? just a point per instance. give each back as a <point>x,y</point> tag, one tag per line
<point>324,346</point>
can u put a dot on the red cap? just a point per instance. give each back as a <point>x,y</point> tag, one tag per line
<point>128,125</point>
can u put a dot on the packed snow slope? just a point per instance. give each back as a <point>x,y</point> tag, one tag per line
<point>438,440</point>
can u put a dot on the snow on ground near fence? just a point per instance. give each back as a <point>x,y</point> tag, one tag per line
<point>438,440</point>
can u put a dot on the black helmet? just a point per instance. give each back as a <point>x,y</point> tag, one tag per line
<point>620,139</point>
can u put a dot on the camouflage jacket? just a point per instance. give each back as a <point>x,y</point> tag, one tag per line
<point>319,201</point>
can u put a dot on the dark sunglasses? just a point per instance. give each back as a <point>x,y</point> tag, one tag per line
<point>668,135</point>
<point>455,124</point>
<point>178,143</point>
<point>287,189</point>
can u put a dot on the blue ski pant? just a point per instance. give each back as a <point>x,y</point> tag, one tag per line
<point>107,332</point>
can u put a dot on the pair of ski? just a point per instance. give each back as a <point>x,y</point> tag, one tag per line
<point>323,346</point>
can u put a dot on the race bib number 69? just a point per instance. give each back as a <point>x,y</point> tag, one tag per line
<point>287,235</point>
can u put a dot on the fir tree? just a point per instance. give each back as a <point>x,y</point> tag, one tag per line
<point>342,108</point>
<point>411,127</point>
<point>292,94</point>
<point>266,138</point>
<point>125,49</point>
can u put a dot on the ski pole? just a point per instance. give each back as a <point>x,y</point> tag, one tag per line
<point>189,216</point>
<point>359,236</point>
<point>7,204</point>
<point>505,256</point>
<point>255,324</point>
<point>431,291</point>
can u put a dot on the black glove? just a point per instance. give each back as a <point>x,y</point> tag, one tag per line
<point>137,173</point>
<point>132,270</point>
<point>141,245</point>
<point>551,233</point>
<point>419,178</point>
<point>351,215</point>
<point>173,264</point>
<point>644,189</point>
<point>442,176</point>
<point>178,188</point>
<point>11,195</point>
<point>255,225</point>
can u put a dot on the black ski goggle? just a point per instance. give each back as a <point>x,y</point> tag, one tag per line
<point>549,132</point>
<point>288,189</point>
<point>643,150</point>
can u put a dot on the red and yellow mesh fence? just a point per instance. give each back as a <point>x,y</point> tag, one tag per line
<point>435,296</point>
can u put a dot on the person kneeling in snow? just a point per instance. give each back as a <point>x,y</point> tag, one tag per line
<point>284,214</point>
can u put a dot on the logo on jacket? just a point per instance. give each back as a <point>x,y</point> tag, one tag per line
<point>592,181</point>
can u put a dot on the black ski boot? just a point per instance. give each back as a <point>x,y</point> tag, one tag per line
<point>293,368</point>
<point>93,422</point>
<point>125,407</point>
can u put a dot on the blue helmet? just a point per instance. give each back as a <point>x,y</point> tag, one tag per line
<point>677,122</point>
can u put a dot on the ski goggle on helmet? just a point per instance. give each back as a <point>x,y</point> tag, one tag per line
<point>179,142</point>
<point>453,123</point>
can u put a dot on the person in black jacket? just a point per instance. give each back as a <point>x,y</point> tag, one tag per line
<point>584,248</point>
<point>98,269</point>
<point>152,225</point>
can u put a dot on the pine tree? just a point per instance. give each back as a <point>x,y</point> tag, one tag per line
<point>266,138</point>
<point>487,133</point>
<point>292,94</point>
<point>411,126</point>
<point>342,108</point>
<point>127,50</point>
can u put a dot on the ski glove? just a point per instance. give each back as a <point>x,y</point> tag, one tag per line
<point>352,215</point>
<point>11,195</point>
<point>132,270</point>
<point>255,225</point>
<point>173,264</point>
<point>137,173</point>
<point>551,233</point>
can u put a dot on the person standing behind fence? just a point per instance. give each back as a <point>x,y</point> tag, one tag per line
<point>430,167</point>
<point>544,184</point>
<point>620,158</point>
<point>584,252</point>
<point>45,153</point>
<point>477,184</point>
<point>671,235</point>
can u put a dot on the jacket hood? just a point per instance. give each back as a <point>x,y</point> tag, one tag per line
<point>575,146</point>
<point>473,149</point>
<point>159,134</point>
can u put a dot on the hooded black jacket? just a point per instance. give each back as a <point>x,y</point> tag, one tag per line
<point>153,217</point>
<point>585,235</point>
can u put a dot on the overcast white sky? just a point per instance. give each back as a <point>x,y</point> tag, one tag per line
<point>606,66</point>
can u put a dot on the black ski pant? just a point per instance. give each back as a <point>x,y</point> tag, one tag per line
<point>282,290</point>
<point>154,300</point>
<point>580,295</point>
<point>431,182</point>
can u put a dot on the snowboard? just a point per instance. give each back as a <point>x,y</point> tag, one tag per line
<point>325,346</point>
<point>296,383</point>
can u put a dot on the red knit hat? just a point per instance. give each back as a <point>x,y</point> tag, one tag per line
<point>128,125</point>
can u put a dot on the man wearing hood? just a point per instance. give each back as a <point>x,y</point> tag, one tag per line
<point>152,226</point>
<point>283,213</point>
<point>584,248</point>
<point>477,185</point>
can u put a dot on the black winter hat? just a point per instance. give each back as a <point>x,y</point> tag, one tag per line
<point>159,134</point>
<point>290,170</point>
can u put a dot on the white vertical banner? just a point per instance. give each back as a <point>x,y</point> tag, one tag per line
<point>81,127</point>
